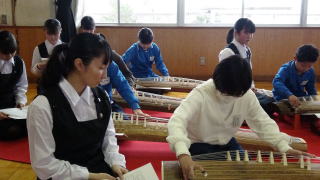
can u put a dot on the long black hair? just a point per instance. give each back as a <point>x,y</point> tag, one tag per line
<point>242,23</point>
<point>85,46</point>
<point>233,76</point>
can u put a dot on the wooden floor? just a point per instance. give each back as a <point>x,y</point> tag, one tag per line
<point>15,171</point>
<point>20,171</point>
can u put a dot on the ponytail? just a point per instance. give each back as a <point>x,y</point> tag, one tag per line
<point>85,46</point>
<point>230,36</point>
<point>56,67</point>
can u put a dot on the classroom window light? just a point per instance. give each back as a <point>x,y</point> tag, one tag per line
<point>313,12</point>
<point>212,11</point>
<point>273,11</point>
<point>148,11</point>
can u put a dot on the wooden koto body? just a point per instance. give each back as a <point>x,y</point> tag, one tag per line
<point>151,100</point>
<point>309,105</point>
<point>172,82</point>
<point>155,129</point>
<point>279,166</point>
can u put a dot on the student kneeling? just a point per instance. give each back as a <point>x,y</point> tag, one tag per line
<point>207,120</point>
<point>71,134</point>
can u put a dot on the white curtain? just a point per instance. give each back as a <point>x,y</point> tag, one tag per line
<point>78,11</point>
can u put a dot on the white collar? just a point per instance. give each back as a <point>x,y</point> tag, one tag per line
<point>10,61</point>
<point>52,45</point>
<point>235,42</point>
<point>72,95</point>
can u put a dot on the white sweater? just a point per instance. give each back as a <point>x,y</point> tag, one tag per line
<point>207,116</point>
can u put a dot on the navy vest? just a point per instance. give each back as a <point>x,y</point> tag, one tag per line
<point>43,50</point>
<point>80,142</point>
<point>236,51</point>
<point>8,84</point>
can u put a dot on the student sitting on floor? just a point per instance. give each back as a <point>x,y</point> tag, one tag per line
<point>71,133</point>
<point>297,78</point>
<point>88,25</point>
<point>13,87</point>
<point>52,30</point>
<point>115,79</point>
<point>207,120</point>
<point>142,54</point>
<point>238,38</point>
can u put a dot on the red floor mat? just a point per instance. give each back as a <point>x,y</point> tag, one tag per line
<point>15,150</point>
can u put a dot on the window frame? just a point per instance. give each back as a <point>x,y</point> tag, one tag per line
<point>181,19</point>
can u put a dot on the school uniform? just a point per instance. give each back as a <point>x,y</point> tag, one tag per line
<point>208,117</point>
<point>140,61</point>
<point>72,135</point>
<point>43,50</point>
<point>13,88</point>
<point>122,66</point>
<point>235,48</point>
<point>289,82</point>
<point>115,79</point>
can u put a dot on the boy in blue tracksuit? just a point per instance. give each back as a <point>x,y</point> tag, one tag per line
<point>115,79</point>
<point>142,54</point>
<point>297,78</point>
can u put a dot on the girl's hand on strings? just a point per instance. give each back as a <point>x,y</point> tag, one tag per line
<point>297,152</point>
<point>188,166</point>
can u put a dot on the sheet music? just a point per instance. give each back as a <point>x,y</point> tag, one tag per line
<point>16,113</point>
<point>145,172</point>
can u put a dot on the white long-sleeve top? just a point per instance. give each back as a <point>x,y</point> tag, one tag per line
<point>22,85</point>
<point>36,58</point>
<point>207,116</point>
<point>41,140</point>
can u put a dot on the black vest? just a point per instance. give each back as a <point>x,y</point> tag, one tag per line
<point>43,50</point>
<point>236,51</point>
<point>80,142</point>
<point>8,84</point>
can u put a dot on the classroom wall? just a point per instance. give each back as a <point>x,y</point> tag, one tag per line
<point>5,12</point>
<point>33,12</point>
<point>182,47</point>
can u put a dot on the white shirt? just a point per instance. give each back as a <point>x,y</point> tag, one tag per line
<point>22,85</point>
<point>36,58</point>
<point>42,144</point>
<point>206,116</point>
<point>242,48</point>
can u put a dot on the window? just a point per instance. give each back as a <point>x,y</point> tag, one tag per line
<point>313,12</point>
<point>273,11</point>
<point>148,11</point>
<point>202,12</point>
<point>224,12</point>
<point>102,11</point>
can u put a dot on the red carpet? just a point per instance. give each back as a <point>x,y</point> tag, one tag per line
<point>139,153</point>
<point>15,150</point>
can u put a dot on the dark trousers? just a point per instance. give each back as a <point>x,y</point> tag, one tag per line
<point>116,107</point>
<point>204,148</point>
<point>12,129</point>
<point>266,102</point>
